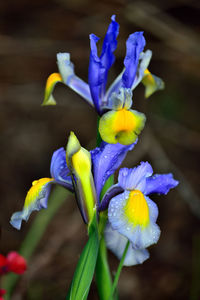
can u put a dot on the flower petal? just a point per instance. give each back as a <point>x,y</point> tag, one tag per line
<point>36,199</point>
<point>16,263</point>
<point>144,60</point>
<point>122,126</point>
<point>152,83</point>
<point>134,46</point>
<point>113,191</point>
<point>134,216</point>
<point>66,69</point>
<point>99,66</point>
<point>117,243</point>
<point>131,179</point>
<point>52,80</point>
<point>79,162</point>
<point>59,169</point>
<point>106,160</point>
<point>160,184</point>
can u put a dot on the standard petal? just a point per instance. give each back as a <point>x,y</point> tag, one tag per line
<point>160,184</point>
<point>52,80</point>
<point>99,66</point>
<point>134,46</point>
<point>117,243</point>
<point>152,83</point>
<point>134,216</point>
<point>66,69</point>
<point>131,179</point>
<point>36,199</point>
<point>109,46</point>
<point>106,160</point>
<point>59,169</point>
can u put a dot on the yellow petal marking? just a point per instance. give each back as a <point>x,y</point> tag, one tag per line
<point>50,84</point>
<point>121,126</point>
<point>34,192</point>
<point>136,210</point>
<point>52,80</point>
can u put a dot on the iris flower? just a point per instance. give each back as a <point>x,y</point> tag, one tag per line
<point>132,214</point>
<point>107,102</point>
<point>78,170</point>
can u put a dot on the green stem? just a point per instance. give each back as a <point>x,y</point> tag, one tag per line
<point>35,234</point>
<point>118,272</point>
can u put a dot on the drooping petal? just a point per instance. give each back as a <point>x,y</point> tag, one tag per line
<point>59,169</point>
<point>152,83</point>
<point>79,162</point>
<point>160,184</point>
<point>134,215</point>
<point>117,243</point>
<point>66,69</point>
<point>131,179</point>
<point>99,66</point>
<point>122,126</point>
<point>134,46</point>
<point>36,199</point>
<point>52,80</point>
<point>113,191</point>
<point>106,160</point>
<point>143,64</point>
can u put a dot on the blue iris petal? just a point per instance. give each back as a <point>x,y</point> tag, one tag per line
<point>134,46</point>
<point>116,242</point>
<point>135,179</point>
<point>59,170</point>
<point>160,184</point>
<point>99,66</point>
<point>106,160</point>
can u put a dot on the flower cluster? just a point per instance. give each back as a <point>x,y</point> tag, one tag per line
<point>118,123</point>
<point>13,262</point>
<point>130,214</point>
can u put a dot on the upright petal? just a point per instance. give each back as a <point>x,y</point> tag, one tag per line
<point>160,184</point>
<point>59,169</point>
<point>79,162</point>
<point>116,242</point>
<point>36,199</point>
<point>66,69</point>
<point>134,46</point>
<point>99,66</point>
<point>130,179</point>
<point>106,160</point>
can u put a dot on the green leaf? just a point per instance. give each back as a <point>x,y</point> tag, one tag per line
<point>103,276</point>
<point>84,272</point>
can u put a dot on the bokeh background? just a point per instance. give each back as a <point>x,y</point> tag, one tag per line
<point>31,33</point>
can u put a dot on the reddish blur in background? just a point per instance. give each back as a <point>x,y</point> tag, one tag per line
<point>31,33</point>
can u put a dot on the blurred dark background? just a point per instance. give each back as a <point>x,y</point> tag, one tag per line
<point>31,33</point>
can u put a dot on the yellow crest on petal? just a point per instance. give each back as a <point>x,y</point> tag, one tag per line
<point>152,83</point>
<point>136,209</point>
<point>50,84</point>
<point>121,126</point>
<point>34,192</point>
